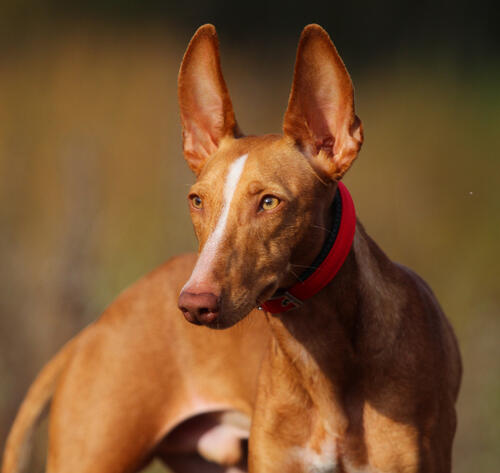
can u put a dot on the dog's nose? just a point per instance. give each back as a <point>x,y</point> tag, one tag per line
<point>200,308</point>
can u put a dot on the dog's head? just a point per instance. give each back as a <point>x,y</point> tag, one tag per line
<point>260,205</point>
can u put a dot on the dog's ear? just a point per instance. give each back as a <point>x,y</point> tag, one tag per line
<point>320,115</point>
<point>207,114</point>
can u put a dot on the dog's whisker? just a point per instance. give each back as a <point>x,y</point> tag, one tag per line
<point>322,228</point>
<point>302,266</point>
<point>294,274</point>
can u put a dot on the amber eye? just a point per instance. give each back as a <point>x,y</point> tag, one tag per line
<point>269,202</point>
<point>196,201</point>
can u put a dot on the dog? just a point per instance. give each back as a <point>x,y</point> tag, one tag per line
<point>307,349</point>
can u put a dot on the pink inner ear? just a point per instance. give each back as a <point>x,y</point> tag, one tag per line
<point>206,131</point>
<point>320,111</point>
<point>206,110</point>
<point>328,106</point>
<point>326,144</point>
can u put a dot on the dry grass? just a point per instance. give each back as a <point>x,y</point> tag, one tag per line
<point>92,193</point>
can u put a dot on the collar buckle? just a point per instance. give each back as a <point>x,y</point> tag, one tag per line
<point>288,301</point>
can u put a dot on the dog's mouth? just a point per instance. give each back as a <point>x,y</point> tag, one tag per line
<point>230,315</point>
<point>225,303</point>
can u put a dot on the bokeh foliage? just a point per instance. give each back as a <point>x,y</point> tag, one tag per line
<point>93,184</point>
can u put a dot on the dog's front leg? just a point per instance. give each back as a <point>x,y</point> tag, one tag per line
<point>288,432</point>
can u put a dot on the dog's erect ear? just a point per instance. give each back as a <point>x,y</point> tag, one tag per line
<point>320,115</point>
<point>206,110</point>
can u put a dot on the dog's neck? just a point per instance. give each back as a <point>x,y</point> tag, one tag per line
<point>325,342</point>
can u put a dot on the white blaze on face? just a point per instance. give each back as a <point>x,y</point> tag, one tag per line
<point>204,263</point>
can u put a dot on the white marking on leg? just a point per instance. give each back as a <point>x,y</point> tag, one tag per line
<point>324,461</point>
<point>209,251</point>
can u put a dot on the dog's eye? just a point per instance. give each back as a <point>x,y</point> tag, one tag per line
<point>269,202</point>
<point>196,201</point>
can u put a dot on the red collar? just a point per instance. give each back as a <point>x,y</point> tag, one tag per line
<point>329,267</point>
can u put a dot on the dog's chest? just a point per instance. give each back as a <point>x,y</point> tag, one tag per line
<point>325,458</point>
<point>320,458</point>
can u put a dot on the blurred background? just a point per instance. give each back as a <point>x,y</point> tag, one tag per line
<point>93,184</point>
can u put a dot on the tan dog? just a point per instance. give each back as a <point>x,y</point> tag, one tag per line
<point>356,368</point>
